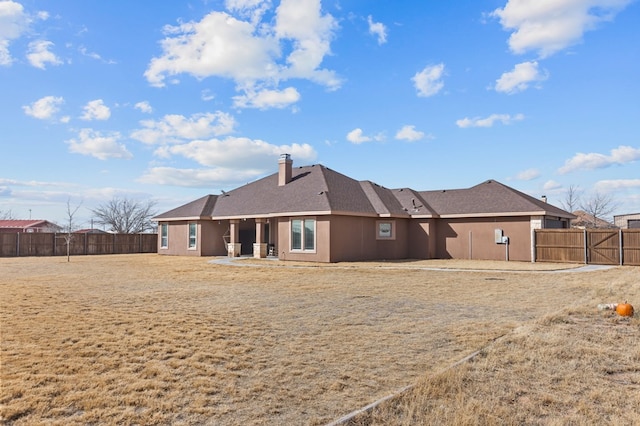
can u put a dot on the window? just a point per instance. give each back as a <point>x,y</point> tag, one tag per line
<point>386,230</point>
<point>303,234</point>
<point>193,229</point>
<point>164,235</point>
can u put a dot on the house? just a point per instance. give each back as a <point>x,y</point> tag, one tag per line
<point>15,225</point>
<point>313,213</point>
<point>627,221</point>
<point>585,220</point>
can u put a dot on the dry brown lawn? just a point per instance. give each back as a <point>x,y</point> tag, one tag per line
<point>148,339</point>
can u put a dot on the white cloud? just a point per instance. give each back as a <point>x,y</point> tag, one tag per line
<point>93,55</point>
<point>175,128</point>
<point>356,136</point>
<point>520,78</point>
<point>551,185</point>
<point>309,32</point>
<point>528,174</point>
<point>96,110</point>
<point>99,145</point>
<point>377,29</point>
<point>489,121</point>
<point>620,155</point>
<point>550,26</point>
<point>255,54</point>
<point>409,133</point>
<point>206,95</point>
<point>241,153</point>
<point>39,55</point>
<point>13,23</point>
<point>617,185</point>
<point>267,98</point>
<point>198,178</point>
<point>44,108</point>
<point>144,106</point>
<point>252,9</point>
<point>428,82</point>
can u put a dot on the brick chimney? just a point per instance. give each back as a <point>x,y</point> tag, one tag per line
<point>284,169</point>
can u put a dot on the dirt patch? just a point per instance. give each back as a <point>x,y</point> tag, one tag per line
<point>154,339</point>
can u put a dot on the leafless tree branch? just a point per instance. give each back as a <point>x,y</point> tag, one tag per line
<point>126,216</point>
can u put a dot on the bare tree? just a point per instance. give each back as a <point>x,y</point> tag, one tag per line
<point>572,198</point>
<point>68,237</point>
<point>6,215</point>
<point>126,216</point>
<point>598,207</point>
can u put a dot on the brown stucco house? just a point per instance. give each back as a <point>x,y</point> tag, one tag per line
<point>313,213</point>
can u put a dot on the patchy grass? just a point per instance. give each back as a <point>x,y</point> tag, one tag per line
<point>150,339</point>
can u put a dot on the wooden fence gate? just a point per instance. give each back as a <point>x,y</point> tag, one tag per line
<point>595,246</point>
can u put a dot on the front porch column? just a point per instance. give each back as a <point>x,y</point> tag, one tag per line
<point>234,246</point>
<point>260,246</point>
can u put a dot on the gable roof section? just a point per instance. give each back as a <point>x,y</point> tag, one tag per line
<point>25,224</point>
<point>414,203</point>
<point>312,190</point>
<point>383,200</point>
<point>490,198</point>
<point>197,209</point>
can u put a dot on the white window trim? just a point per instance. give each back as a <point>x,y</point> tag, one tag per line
<point>195,244</point>
<point>315,235</point>
<point>164,225</point>
<point>379,224</point>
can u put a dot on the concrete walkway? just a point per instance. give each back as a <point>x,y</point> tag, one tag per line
<point>233,261</point>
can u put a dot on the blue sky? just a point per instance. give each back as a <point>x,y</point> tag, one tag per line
<point>169,101</point>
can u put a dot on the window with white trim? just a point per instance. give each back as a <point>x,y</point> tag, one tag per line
<point>193,232</point>
<point>303,235</point>
<point>164,235</point>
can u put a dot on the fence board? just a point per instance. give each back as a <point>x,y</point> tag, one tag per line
<point>631,247</point>
<point>603,246</point>
<point>54,244</point>
<point>559,245</point>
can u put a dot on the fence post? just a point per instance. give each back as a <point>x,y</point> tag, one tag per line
<point>586,247</point>
<point>621,246</point>
<point>533,245</point>
<point>17,244</point>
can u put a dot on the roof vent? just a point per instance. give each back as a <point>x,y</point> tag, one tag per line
<point>544,198</point>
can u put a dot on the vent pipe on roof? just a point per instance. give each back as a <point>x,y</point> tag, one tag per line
<point>544,198</point>
<point>284,169</point>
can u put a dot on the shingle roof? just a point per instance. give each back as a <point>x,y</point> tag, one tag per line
<point>21,223</point>
<point>488,198</point>
<point>312,189</point>
<point>317,189</point>
<point>200,208</point>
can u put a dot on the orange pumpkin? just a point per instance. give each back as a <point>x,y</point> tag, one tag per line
<point>624,309</point>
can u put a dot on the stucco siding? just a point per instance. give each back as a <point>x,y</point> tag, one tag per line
<point>210,239</point>
<point>355,238</point>
<point>475,239</point>
<point>178,238</point>
<point>422,240</point>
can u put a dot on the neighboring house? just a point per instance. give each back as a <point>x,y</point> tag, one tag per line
<point>627,221</point>
<point>585,220</point>
<point>313,213</point>
<point>90,231</point>
<point>14,225</point>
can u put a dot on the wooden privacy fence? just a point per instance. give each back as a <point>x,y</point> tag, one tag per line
<point>596,246</point>
<point>55,244</point>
